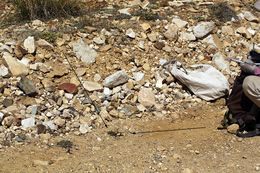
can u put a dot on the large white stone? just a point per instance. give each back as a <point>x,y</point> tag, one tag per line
<point>116,79</point>
<point>203,29</point>
<point>130,33</point>
<point>27,123</point>
<point>29,44</point>
<point>84,52</point>
<point>3,71</point>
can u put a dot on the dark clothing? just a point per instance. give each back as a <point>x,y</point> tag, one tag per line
<point>239,105</point>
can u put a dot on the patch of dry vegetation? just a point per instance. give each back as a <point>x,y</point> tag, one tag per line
<point>46,9</point>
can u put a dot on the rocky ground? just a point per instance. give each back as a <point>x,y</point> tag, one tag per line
<point>117,52</point>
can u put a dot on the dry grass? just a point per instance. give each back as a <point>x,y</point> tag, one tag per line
<point>46,9</point>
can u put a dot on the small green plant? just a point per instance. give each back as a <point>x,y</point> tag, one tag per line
<point>114,133</point>
<point>33,9</point>
<point>65,144</point>
<point>221,12</point>
<point>83,21</point>
<point>49,36</point>
<point>147,15</point>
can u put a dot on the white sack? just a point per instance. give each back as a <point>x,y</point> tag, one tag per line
<point>203,80</point>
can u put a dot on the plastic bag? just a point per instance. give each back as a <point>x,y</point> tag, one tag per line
<point>203,80</point>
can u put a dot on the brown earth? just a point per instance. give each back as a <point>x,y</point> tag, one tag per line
<point>164,146</point>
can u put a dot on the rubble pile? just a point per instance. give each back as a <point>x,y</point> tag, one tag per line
<point>120,65</point>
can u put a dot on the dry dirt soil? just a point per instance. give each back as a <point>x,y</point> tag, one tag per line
<point>159,145</point>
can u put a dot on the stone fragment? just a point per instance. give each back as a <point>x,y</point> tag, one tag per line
<point>50,124</point>
<point>27,123</point>
<point>38,23</point>
<point>80,71</point>
<point>130,33</point>
<point>7,102</point>
<point>69,87</point>
<point>152,36</point>
<point>1,117</point>
<point>8,121</point>
<point>59,41</point>
<point>172,32</point>
<point>58,70</point>
<point>19,51</point>
<point>184,36</point>
<point>3,71</point>
<point>213,40</point>
<point>4,47</point>
<point>98,40</point>
<point>244,32</point>
<point>159,45</point>
<point>233,128</point>
<point>227,30</point>
<point>221,63</point>
<point>92,86</point>
<point>27,101</point>
<point>14,66</point>
<point>125,11</point>
<point>29,44</point>
<point>59,121</point>
<point>257,5</point>
<point>48,84</point>
<point>203,29</point>
<point>41,128</point>
<point>146,67</point>
<point>84,128</point>
<point>105,48</point>
<point>250,17</point>
<point>146,97</point>
<point>116,79</point>
<point>145,26</point>
<point>107,91</point>
<point>44,44</point>
<point>68,96</point>
<point>139,76</point>
<point>97,77</point>
<point>84,52</point>
<point>27,86</point>
<point>180,23</point>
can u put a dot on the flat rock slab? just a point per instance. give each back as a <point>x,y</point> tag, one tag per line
<point>69,87</point>
<point>28,86</point>
<point>15,67</point>
<point>92,86</point>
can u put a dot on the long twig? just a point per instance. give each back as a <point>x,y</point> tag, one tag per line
<point>86,92</point>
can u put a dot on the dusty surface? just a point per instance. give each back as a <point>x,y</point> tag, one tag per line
<point>161,149</point>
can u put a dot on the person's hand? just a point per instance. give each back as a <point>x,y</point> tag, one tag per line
<point>248,66</point>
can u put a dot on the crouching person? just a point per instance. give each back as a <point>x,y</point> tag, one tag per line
<point>244,101</point>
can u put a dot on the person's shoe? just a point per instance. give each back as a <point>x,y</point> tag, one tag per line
<point>257,5</point>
